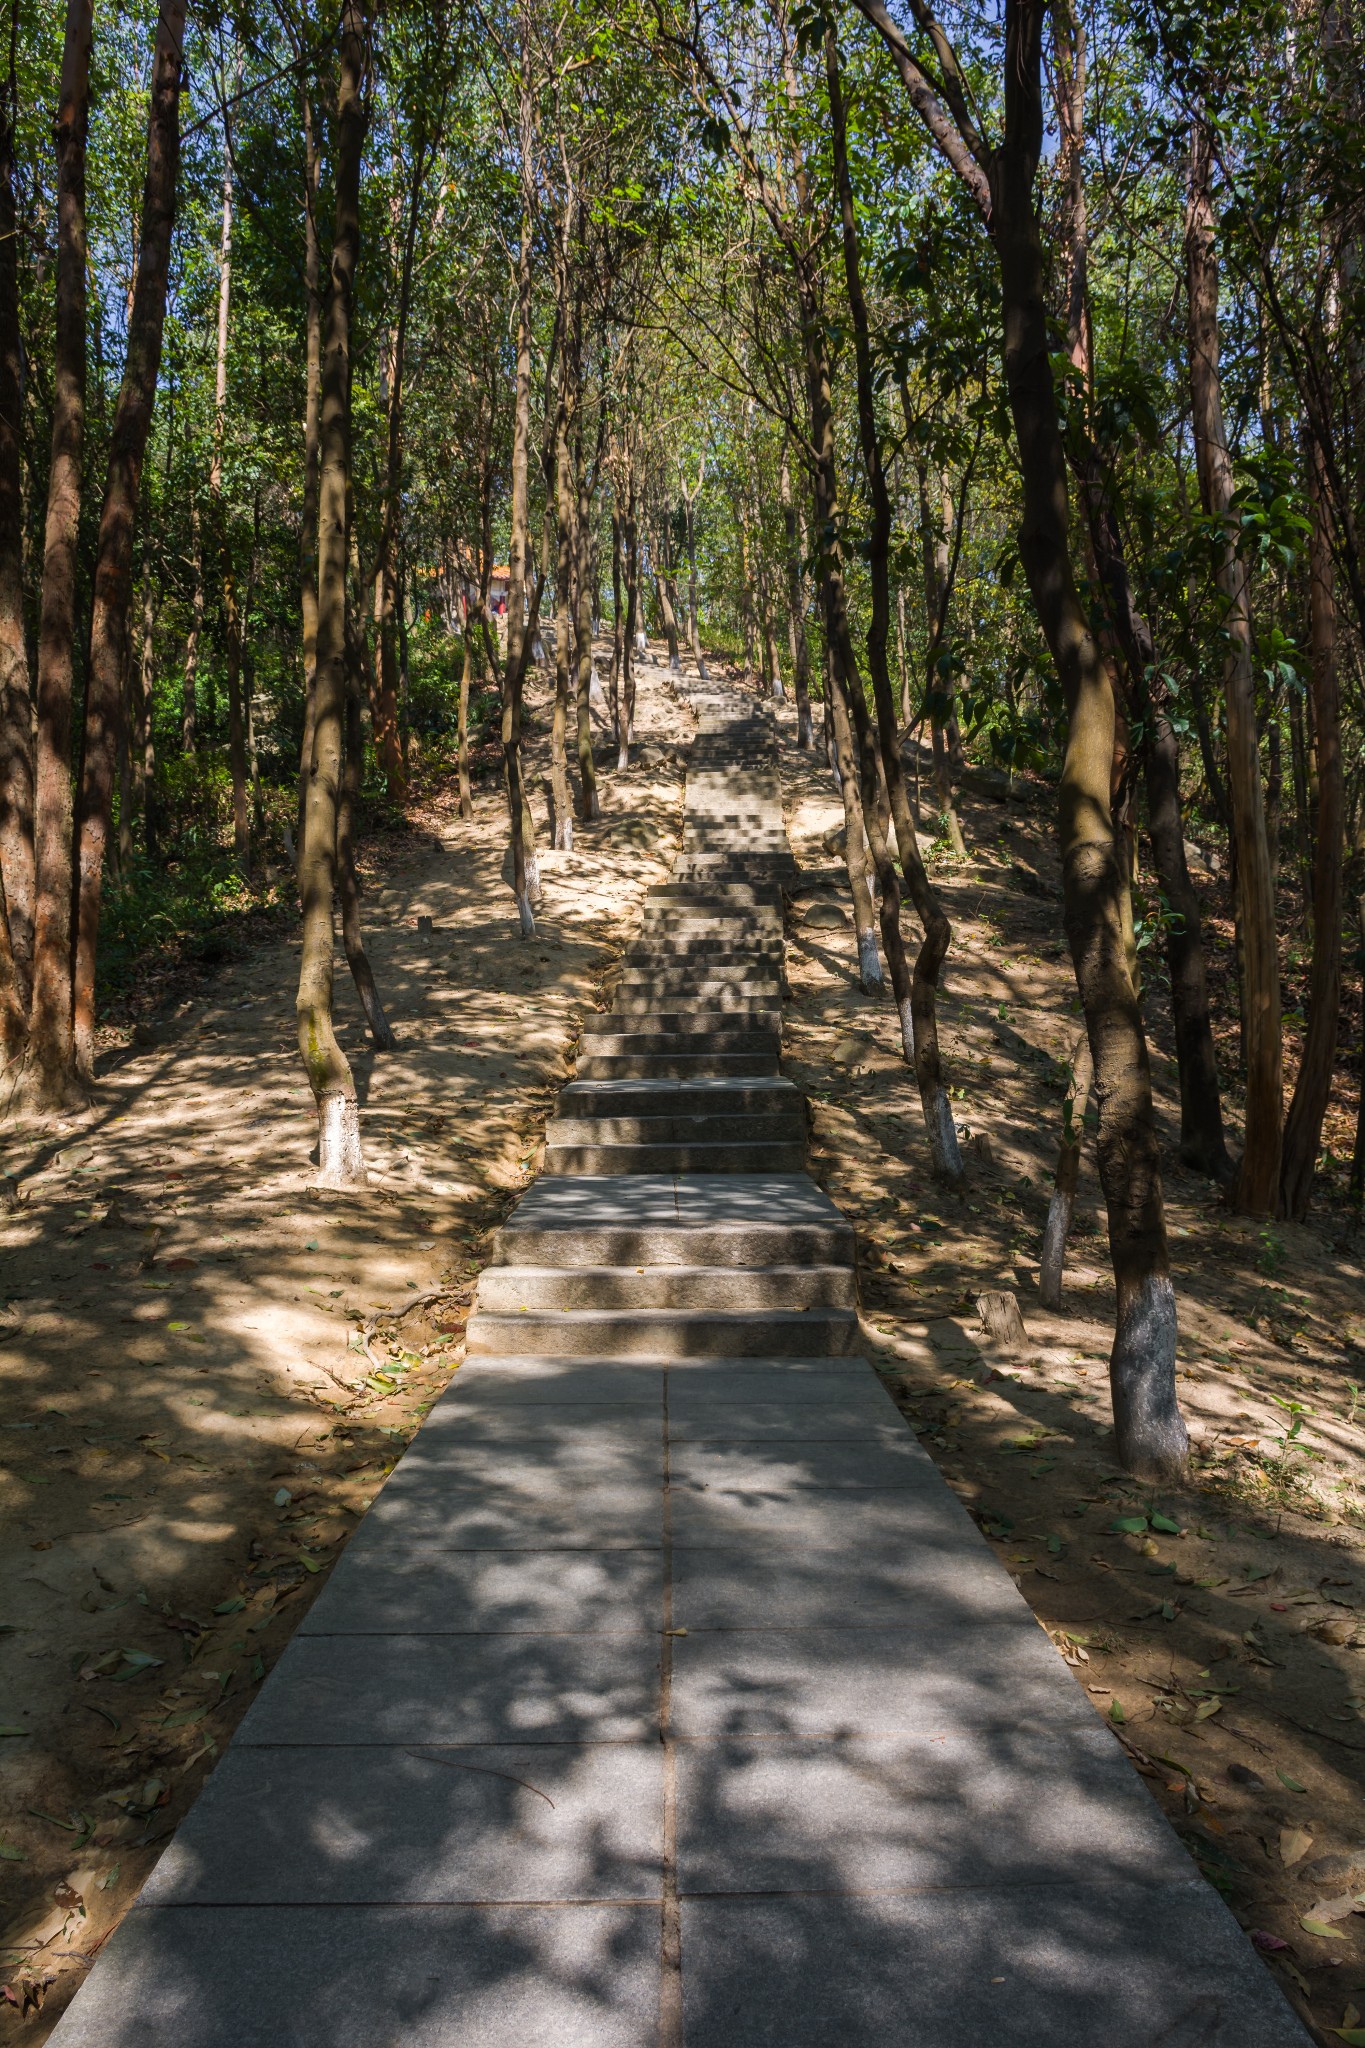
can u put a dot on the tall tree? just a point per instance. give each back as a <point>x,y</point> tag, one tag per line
<point>114,549</point>
<point>340,1159</point>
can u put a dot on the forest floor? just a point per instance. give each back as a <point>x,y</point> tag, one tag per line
<point>171,1510</point>
<point>187,1433</point>
<point>1219,1626</point>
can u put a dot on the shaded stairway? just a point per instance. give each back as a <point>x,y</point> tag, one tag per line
<point>667,1694</point>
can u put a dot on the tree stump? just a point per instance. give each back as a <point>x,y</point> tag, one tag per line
<point>1002,1322</point>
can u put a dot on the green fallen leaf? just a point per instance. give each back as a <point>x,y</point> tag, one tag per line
<point>186,1717</point>
<point>110,1879</point>
<point>283,1497</point>
<point>1290,1784</point>
<point>1318,1927</point>
<point>1129,1525</point>
<point>1165,1525</point>
<point>310,1564</point>
<point>1054,1544</point>
<point>1116,1713</point>
<point>6,1729</point>
<point>11,1854</point>
<point>1167,1611</point>
<point>230,1606</point>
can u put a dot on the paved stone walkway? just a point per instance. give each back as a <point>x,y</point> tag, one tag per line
<point>667,1695</point>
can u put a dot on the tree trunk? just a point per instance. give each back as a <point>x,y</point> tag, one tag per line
<point>232,617</point>
<point>1303,1126</point>
<point>938,689</point>
<point>189,684</point>
<point>796,611</point>
<point>114,548</point>
<point>1057,1229</point>
<point>387,740</point>
<point>50,1030</point>
<point>1258,1184</point>
<point>16,701</point>
<point>855,833</point>
<point>588,804</point>
<point>519,548</point>
<point>618,626</point>
<point>1202,1144</point>
<point>1152,1439</point>
<point>340,1161</point>
<point>632,537</point>
<point>922,1047</point>
<point>565,509</point>
<point>348,886</point>
<point>663,583</point>
<point>312,407</point>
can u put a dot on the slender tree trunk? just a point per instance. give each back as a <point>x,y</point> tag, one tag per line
<point>525,879</point>
<point>796,610</point>
<point>1258,1185</point>
<point>1202,1144</point>
<point>565,508</point>
<point>693,622</point>
<point>16,701</point>
<point>1052,1262</point>
<point>146,723</point>
<point>632,539</point>
<point>348,885</point>
<point>855,833</point>
<point>1303,1126</point>
<point>232,616</point>
<point>189,684</point>
<point>588,804</point>
<point>51,1045</point>
<point>663,583</point>
<point>114,548</point>
<point>387,739</point>
<point>312,412</point>
<point>938,685</point>
<point>618,626</point>
<point>340,1161</point>
<point>922,1047</point>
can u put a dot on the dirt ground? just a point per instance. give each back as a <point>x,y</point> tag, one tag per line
<point>1218,1627</point>
<point>188,1429</point>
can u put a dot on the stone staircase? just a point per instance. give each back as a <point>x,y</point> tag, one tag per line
<point>666,1697</point>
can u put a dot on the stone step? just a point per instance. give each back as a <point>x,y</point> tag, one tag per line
<point>703,1097</point>
<point>719,1038</point>
<point>742,1127</point>
<point>635,1016</point>
<point>663,1333</point>
<point>599,1066</point>
<point>735,978</point>
<point>510,1289</point>
<point>743,999</point>
<point>701,956</point>
<point>764,1219</point>
<point>776,1155</point>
